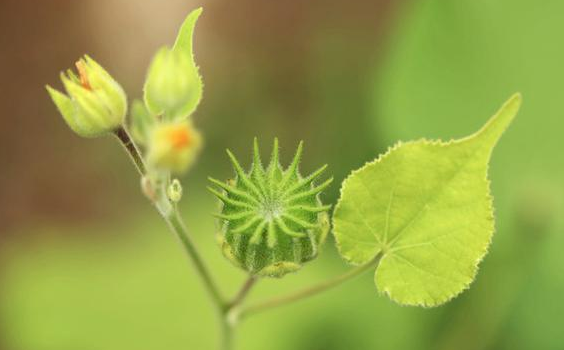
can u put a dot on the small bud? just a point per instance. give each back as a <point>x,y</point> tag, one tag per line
<point>95,103</point>
<point>173,87</point>
<point>173,147</point>
<point>174,191</point>
<point>272,220</point>
<point>173,84</point>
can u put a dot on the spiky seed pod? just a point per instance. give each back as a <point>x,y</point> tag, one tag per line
<point>272,220</point>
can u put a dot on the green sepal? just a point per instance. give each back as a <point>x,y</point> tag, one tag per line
<point>141,122</point>
<point>68,111</point>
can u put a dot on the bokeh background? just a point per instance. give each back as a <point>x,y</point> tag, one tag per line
<point>86,264</point>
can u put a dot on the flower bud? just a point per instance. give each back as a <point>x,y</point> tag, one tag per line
<point>173,147</point>
<point>272,220</point>
<point>174,191</point>
<point>95,104</point>
<point>173,87</point>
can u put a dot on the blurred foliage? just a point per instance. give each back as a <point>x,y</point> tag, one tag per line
<point>129,286</point>
<point>450,64</point>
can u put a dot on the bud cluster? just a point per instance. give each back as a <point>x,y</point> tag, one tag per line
<point>96,105</point>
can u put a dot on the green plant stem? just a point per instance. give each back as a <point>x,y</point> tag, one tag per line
<point>230,315</point>
<point>131,149</point>
<point>176,224</point>
<point>308,292</point>
<point>226,333</point>
<point>243,292</point>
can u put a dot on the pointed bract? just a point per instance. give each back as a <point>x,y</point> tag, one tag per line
<point>257,162</point>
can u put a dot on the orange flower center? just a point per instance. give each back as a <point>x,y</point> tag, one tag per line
<point>180,137</point>
<point>82,75</point>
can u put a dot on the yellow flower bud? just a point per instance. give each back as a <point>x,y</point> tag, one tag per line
<point>173,147</point>
<point>95,104</point>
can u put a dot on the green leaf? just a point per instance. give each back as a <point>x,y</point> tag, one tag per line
<point>424,208</point>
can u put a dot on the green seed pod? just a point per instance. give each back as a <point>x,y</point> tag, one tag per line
<point>272,220</point>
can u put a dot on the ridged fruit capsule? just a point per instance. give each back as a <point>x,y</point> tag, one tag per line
<point>271,220</point>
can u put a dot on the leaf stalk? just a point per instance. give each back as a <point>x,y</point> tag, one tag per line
<point>310,291</point>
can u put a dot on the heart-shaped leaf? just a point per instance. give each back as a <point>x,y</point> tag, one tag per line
<point>425,210</point>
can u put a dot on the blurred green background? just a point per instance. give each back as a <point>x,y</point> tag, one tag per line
<point>86,264</point>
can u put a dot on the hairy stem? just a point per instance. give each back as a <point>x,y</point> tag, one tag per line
<point>308,292</point>
<point>226,333</point>
<point>176,224</point>
<point>131,149</point>
<point>230,315</point>
<point>243,292</point>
